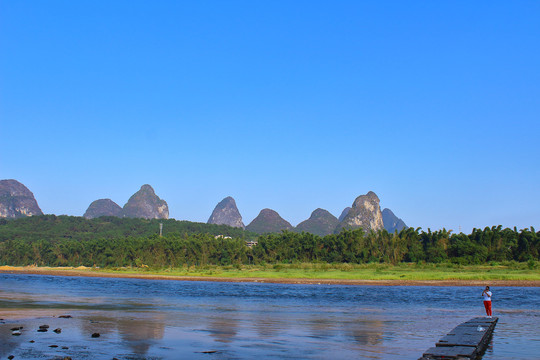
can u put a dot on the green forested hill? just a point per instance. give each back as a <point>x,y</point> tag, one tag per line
<point>109,241</point>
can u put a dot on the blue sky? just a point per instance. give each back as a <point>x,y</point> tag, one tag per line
<point>288,105</point>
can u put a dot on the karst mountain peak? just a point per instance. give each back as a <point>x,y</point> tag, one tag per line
<point>16,200</point>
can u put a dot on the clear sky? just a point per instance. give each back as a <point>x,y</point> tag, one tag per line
<point>288,105</point>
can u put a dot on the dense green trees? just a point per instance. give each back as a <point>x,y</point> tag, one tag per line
<point>73,241</point>
<point>153,251</point>
<point>55,228</point>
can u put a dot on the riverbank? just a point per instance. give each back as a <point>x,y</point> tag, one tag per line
<point>373,274</point>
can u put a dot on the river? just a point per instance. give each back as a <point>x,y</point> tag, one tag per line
<point>167,319</point>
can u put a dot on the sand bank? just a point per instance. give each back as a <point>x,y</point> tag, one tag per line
<point>88,272</point>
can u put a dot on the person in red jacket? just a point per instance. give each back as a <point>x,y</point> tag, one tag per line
<point>487,301</point>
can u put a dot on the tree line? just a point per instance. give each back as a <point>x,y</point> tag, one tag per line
<point>409,245</point>
<point>56,228</point>
<point>114,242</point>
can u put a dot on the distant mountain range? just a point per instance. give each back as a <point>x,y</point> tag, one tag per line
<point>143,204</point>
<point>365,213</point>
<point>17,201</point>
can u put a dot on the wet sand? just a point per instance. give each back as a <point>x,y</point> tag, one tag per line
<point>88,272</point>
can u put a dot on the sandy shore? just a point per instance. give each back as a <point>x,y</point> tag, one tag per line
<point>91,273</point>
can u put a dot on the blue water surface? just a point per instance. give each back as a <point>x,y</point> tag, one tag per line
<point>169,319</point>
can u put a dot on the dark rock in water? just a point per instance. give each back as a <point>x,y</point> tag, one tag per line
<point>321,223</point>
<point>16,200</point>
<point>43,328</point>
<point>65,348</point>
<point>103,207</point>
<point>32,341</point>
<point>392,222</point>
<point>365,213</point>
<point>53,346</point>
<point>146,204</point>
<point>67,358</point>
<point>226,213</point>
<point>11,357</point>
<point>268,221</point>
<point>65,317</point>
<point>344,213</point>
<point>96,335</point>
<point>58,331</point>
<point>16,328</point>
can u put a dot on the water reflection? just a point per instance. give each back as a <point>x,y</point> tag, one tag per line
<point>223,329</point>
<point>138,331</point>
<point>103,325</point>
<point>366,332</point>
<point>322,327</point>
<point>8,342</point>
<point>140,335</point>
<point>267,325</point>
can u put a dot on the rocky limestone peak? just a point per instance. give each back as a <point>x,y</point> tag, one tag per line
<point>321,223</point>
<point>392,222</point>
<point>369,201</point>
<point>344,213</point>
<point>16,200</point>
<point>365,213</point>
<point>103,207</point>
<point>146,204</point>
<point>226,213</point>
<point>268,221</point>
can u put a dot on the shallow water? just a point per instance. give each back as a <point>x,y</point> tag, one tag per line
<point>165,319</point>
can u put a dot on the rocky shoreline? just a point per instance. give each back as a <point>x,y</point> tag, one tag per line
<point>25,326</point>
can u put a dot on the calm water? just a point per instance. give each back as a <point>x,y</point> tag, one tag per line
<point>147,319</point>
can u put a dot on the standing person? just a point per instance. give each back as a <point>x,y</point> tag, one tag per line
<point>487,301</point>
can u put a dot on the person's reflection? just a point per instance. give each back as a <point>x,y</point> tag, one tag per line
<point>139,335</point>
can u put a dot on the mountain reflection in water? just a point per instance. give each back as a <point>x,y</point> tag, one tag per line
<point>367,332</point>
<point>147,319</point>
<point>139,335</point>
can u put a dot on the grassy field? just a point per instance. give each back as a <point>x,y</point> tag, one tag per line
<point>509,271</point>
<point>495,271</point>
